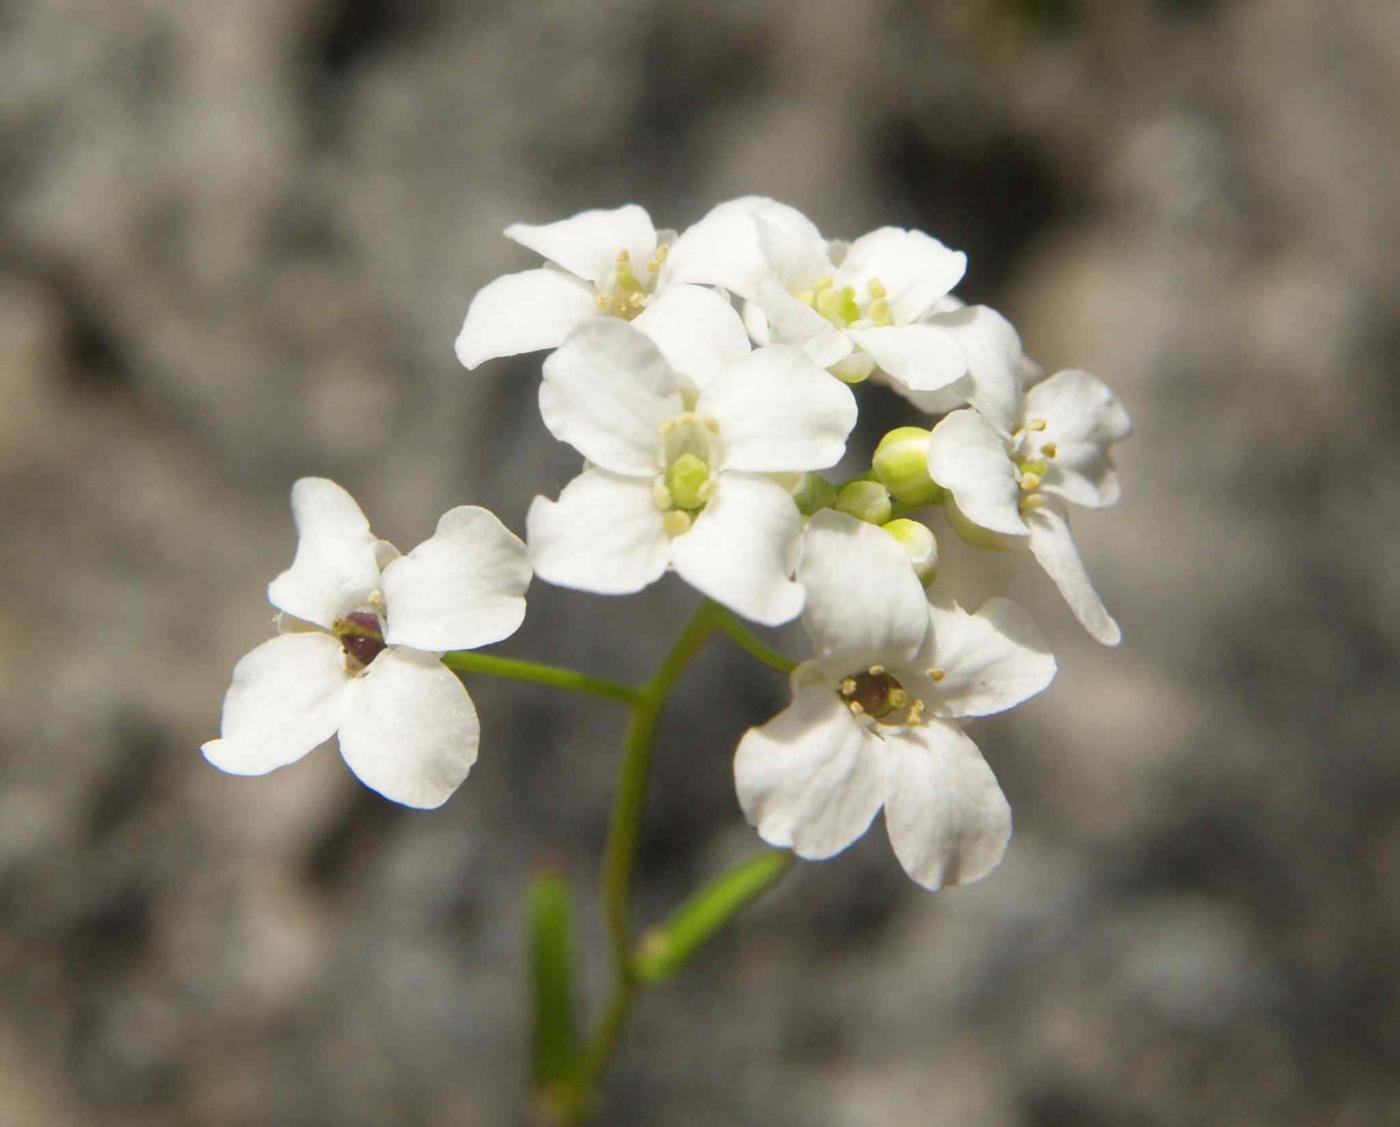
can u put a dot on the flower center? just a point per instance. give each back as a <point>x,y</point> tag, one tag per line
<point>1032,457</point>
<point>690,449</point>
<point>844,307</point>
<point>361,636</point>
<point>624,294</point>
<point>879,695</point>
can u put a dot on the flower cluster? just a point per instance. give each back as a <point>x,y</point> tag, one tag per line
<point>706,381</point>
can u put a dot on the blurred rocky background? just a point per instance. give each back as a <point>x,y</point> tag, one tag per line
<point>238,240</point>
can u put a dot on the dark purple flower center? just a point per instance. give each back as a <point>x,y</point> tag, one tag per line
<point>360,636</point>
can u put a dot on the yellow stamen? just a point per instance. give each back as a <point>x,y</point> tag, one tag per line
<point>676,522</point>
<point>1049,449</point>
<point>856,707</point>
<point>1030,482</point>
<point>935,674</point>
<point>848,685</point>
<point>1036,424</point>
<point>876,670</point>
<point>661,496</point>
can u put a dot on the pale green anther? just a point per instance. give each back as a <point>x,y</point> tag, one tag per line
<point>685,479</point>
<point>866,500</point>
<point>838,306</point>
<point>814,493</point>
<point>919,545</point>
<point>901,466</point>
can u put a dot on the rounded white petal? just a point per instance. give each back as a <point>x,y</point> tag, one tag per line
<point>606,391</point>
<point>1055,551</point>
<point>863,598</point>
<point>968,458</point>
<point>778,411</point>
<point>994,366</point>
<point>523,313</point>
<point>724,249</point>
<point>285,700</point>
<point>919,357</point>
<point>741,549</point>
<point>915,269</point>
<point>337,561</point>
<point>794,322</point>
<point>990,660</point>
<point>697,330</point>
<point>811,779</point>
<point>587,244</point>
<point>409,729</point>
<point>462,588</point>
<point>1083,418</point>
<point>947,819</point>
<point>604,534</point>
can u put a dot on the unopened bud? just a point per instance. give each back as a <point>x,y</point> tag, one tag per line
<point>919,545</point>
<point>814,492</point>
<point>866,500</point>
<point>901,466</point>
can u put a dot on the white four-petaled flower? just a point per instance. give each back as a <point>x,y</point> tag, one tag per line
<point>1015,485</point>
<point>872,722</point>
<point>363,632</point>
<point>681,424</point>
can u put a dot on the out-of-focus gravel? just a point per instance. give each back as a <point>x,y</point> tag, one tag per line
<point>238,241</point>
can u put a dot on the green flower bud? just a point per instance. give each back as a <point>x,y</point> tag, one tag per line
<point>866,500</point>
<point>686,480</point>
<point>814,492</point>
<point>901,466</point>
<point>919,544</point>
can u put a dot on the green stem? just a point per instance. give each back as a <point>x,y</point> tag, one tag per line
<point>469,661</point>
<point>750,642</point>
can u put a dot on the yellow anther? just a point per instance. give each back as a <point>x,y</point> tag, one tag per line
<point>662,251</point>
<point>848,686</point>
<point>856,707</point>
<point>376,598</point>
<point>1049,449</point>
<point>676,522</point>
<point>711,424</point>
<point>898,698</point>
<point>876,288</point>
<point>824,284</point>
<point>688,419</point>
<point>1036,424</point>
<point>916,714</point>
<point>876,670</point>
<point>1030,482</point>
<point>935,674</point>
<point>624,257</point>
<point>1031,503</point>
<point>603,301</point>
<point>661,496</point>
<point>667,427</point>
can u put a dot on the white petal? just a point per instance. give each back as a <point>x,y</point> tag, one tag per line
<point>463,588</point>
<point>588,243</point>
<point>863,598</point>
<point>793,248</point>
<point>994,365</point>
<point>285,700</point>
<point>336,565</point>
<point>1055,550</point>
<point>778,411</point>
<point>723,249</point>
<point>606,392</point>
<point>968,458</point>
<point>990,660</point>
<point>409,730</point>
<point>794,322</point>
<point>810,779</point>
<point>741,549</point>
<point>523,313</point>
<point>921,357</point>
<point>915,269</point>
<point>604,534</point>
<point>1082,418</point>
<point>697,330</point>
<point>947,818</point>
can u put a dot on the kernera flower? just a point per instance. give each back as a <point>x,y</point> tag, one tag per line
<point>681,424</point>
<point>600,263</point>
<point>872,722</point>
<point>363,629</point>
<point>852,308</point>
<point>1015,486</point>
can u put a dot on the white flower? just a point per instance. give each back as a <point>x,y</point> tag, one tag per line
<point>871,721</point>
<point>601,263</point>
<point>681,424</point>
<point>850,307</point>
<point>362,659</point>
<point>1016,485</point>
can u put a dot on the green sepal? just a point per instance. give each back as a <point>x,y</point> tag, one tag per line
<point>554,1036</point>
